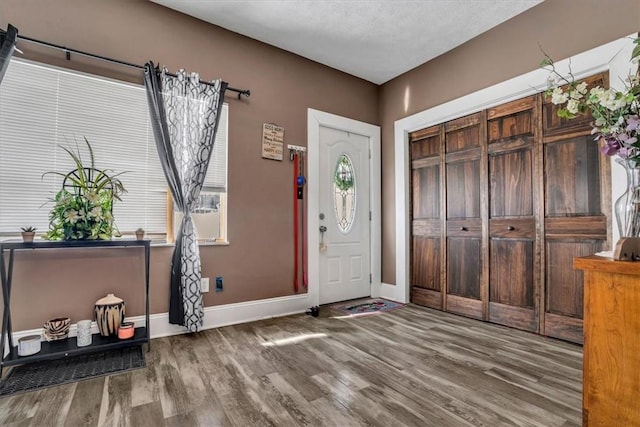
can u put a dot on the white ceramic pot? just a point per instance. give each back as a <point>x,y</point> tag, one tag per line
<point>109,315</point>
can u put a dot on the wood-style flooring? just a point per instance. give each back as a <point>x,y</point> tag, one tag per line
<point>408,367</point>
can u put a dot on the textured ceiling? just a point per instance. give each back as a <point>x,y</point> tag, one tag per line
<point>374,40</point>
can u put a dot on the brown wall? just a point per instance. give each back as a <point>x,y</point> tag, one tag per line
<point>258,262</point>
<point>562,27</point>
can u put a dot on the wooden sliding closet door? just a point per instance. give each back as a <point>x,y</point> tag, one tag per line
<point>577,200</point>
<point>426,246</point>
<point>513,133</point>
<point>465,149</point>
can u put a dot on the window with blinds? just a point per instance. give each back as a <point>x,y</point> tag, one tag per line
<point>43,107</point>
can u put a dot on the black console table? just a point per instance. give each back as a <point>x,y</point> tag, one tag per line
<point>66,347</point>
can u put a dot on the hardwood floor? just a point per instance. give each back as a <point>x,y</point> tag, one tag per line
<point>412,366</point>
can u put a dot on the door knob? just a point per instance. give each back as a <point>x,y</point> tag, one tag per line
<point>463,228</point>
<point>510,228</point>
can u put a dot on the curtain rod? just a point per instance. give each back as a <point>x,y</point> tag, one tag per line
<point>68,51</point>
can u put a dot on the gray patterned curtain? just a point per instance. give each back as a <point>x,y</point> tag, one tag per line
<point>7,48</point>
<point>185,115</point>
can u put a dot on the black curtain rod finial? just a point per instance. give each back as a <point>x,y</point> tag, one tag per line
<point>245,92</point>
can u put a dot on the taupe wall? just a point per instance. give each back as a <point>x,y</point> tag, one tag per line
<point>258,262</point>
<point>562,27</point>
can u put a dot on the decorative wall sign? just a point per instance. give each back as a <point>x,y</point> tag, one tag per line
<point>272,141</point>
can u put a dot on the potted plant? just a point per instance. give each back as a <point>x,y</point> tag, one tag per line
<point>140,233</point>
<point>83,207</point>
<point>28,233</point>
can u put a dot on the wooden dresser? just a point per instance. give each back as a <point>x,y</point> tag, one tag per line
<point>611,372</point>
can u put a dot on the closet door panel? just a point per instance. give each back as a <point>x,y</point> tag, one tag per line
<point>577,203</point>
<point>466,226</point>
<point>572,177</point>
<point>426,244</point>
<point>511,184</point>
<point>426,190</point>
<point>511,284</point>
<point>425,275</point>
<point>463,189</point>
<point>513,280</point>
<point>564,293</point>
<point>463,272</point>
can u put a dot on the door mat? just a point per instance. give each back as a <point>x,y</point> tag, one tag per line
<point>369,306</point>
<point>48,373</point>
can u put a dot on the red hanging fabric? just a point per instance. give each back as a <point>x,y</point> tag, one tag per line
<point>295,222</point>
<point>305,276</point>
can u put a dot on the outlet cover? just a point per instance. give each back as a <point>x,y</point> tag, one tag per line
<point>219,287</point>
<point>204,285</point>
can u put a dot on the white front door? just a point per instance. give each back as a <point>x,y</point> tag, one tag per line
<point>344,216</point>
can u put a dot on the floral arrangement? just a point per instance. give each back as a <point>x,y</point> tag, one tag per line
<point>616,113</point>
<point>82,209</point>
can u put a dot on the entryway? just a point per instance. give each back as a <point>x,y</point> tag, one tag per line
<point>343,208</point>
<point>344,216</point>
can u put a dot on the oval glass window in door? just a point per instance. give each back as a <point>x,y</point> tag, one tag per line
<point>344,193</point>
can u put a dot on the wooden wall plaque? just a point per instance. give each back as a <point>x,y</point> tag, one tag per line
<point>272,141</point>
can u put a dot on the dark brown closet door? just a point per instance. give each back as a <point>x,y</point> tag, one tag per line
<point>512,130</point>
<point>577,200</point>
<point>466,173</point>
<point>426,247</point>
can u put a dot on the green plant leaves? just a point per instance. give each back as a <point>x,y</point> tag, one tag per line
<point>85,212</point>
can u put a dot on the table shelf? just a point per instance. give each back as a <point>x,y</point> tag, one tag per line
<point>67,347</point>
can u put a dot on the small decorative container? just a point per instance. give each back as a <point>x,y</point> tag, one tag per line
<point>109,313</point>
<point>126,330</point>
<point>28,236</point>
<point>57,329</point>
<point>84,333</point>
<point>29,345</point>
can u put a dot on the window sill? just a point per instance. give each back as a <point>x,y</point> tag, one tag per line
<point>160,243</point>
<point>200,244</point>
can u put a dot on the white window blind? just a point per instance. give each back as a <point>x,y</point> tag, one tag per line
<point>42,107</point>
<point>216,179</point>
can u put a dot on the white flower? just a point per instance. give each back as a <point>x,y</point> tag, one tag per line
<point>108,216</point>
<point>579,91</point>
<point>92,196</point>
<point>574,94</point>
<point>582,88</point>
<point>96,212</point>
<point>600,121</point>
<point>71,216</point>
<point>558,96</point>
<point>572,106</point>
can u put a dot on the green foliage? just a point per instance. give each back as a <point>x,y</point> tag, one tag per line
<point>85,212</point>
<point>28,229</point>
<point>343,176</point>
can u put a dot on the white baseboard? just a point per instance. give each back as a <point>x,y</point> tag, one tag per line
<point>392,293</point>
<point>233,314</point>
<point>214,316</point>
